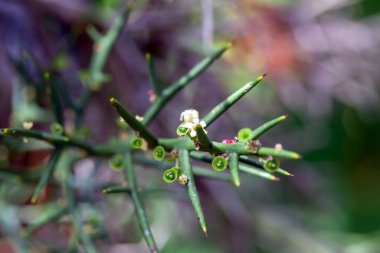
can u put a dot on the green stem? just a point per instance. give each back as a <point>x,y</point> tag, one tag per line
<point>251,161</point>
<point>267,126</point>
<point>256,163</point>
<point>156,85</point>
<point>284,172</point>
<point>9,177</point>
<point>277,153</point>
<point>233,163</point>
<point>70,196</point>
<point>93,33</point>
<point>142,219</point>
<point>134,123</point>
<point>52,213</point>
<point>257,172</point>
<point>173,89</point>
<point>242,167</point>
<point>185,165</point>
<point>47,174</point>
<point>104,46</point>
<point>218,110</point>
<point>205,142</point>
<point>116,189</point>
<point>50,138</point>
<point>54,99</point>
<point>198,171</point>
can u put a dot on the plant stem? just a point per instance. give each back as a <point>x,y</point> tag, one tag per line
<point>168,93</point>
<point>257,172</point>
<point>47,174</point>
<point>198,171</point>
<point>267,126</point>
<point>55,100</point>
<point>104,45</point>
<point>52,213</point>
<point>218,110</point>
<point>185,165</point>
<point>50,138</point>
<point>233,163</point>
<point>205,142</point>
<point>142,219</point>
<point>263,151</point>
<point>117,189</point>
<point>134,123</point>
<point>156,85</point>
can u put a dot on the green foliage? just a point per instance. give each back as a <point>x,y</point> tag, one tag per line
<point>245,156</point>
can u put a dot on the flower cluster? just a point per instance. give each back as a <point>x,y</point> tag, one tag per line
<point>190,119</point>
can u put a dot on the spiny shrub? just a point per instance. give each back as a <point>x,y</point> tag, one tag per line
<point>243,154</point>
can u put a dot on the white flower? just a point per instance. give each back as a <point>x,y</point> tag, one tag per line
<point>190,119</point>
<point>191,126</point>
<point>190,115</point>
<point>27,124</point>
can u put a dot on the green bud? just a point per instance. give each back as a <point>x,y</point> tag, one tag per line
<point>170,175</point>
<point>159,153</point>
<point>219,163</point>
<point>117,161</point>
<point>178,169</point>
<point>245,135</point>
<point>137,143</point>
<point>181,130</point>
<point>272,165</point>
<point>56,128</point>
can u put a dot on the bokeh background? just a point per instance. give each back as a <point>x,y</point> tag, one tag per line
<point>323,61</point>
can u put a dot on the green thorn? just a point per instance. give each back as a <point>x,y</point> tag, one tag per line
<point>233,162</point>
<point>218,110</point>
<point>256,133</point>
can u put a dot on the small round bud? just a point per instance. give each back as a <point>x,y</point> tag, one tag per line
<point>137,143</point>
<point>272,165</point>
<point>159,153</point>
<point>245,135</point>
<point>182,179</point>
<point>170,175</point>
<point>219,163</point>
<point>56,128</point>
<point>181,130</point>
<point>117,161</point>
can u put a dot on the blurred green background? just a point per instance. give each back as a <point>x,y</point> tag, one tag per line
<point>322,59</point>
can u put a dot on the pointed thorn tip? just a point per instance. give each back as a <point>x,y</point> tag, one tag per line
<point>33,200</point>
<point>112,100</point>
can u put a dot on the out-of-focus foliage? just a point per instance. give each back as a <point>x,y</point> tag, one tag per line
<point>322,58</point>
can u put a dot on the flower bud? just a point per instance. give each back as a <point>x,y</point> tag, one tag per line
<point>219,163</point>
